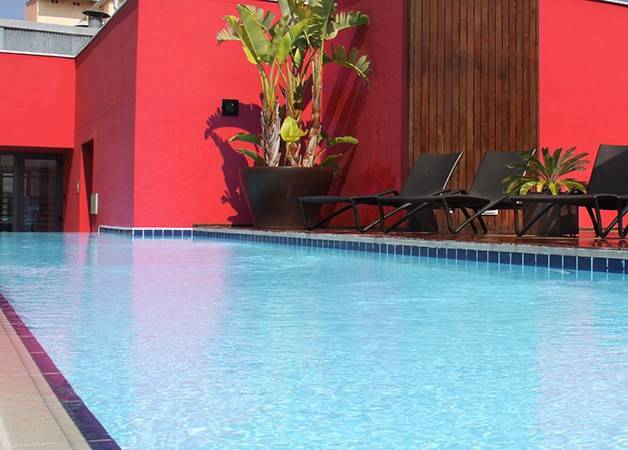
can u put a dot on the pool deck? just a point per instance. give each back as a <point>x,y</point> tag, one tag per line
<point>31,415</point>
<point>586,239</point>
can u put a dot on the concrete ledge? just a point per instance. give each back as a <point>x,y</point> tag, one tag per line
<point>38,407</point>
<point>47,28</point>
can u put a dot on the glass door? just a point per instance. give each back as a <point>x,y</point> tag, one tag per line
<point>40,194</point>
<point>7,193</point>
<point>31,194</point>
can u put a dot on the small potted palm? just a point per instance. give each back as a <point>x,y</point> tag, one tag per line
<point>548,173</point>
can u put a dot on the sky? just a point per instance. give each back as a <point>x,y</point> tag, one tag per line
<point>12,9</point>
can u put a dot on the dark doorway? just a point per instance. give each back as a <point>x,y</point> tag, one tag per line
<point>31,192</point>
<point>88,170</point>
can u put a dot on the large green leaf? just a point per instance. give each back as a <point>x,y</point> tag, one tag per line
<point>266,18</point>
<point>227,34</point>
<point>254,35</point>
<point>338,140</point>
<point>345,20</point>
<point>574,185</point>
<point>319,21</point>
<point>251,154</point>
<point>332,162</point>
<point>526,187</point>
<point>284,6</point>
<point>361,65</point>
<point>251,138</point>
<point>286,42</point>
<point>232,32</point>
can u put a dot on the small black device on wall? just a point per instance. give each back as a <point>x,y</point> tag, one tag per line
<point>230,108</point>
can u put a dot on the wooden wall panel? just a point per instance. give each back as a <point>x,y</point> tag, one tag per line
<point>473,81</point>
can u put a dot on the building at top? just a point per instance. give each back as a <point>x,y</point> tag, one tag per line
<point>67,12</point>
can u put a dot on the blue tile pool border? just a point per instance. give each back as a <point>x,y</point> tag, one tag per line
<point>520,255</point>
<point>90,427</point>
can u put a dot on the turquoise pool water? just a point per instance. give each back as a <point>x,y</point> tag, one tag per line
<point>201,344</point>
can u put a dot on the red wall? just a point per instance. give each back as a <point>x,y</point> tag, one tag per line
<point>584,74</point>
<point>377,114</point>
<point>106,114</point>
<point>37,106</point>
<point>36,101</point>
<point>185,171</point>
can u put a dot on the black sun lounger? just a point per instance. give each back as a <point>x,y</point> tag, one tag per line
<point>486,193</point>
<point>429,176</point>
<point>623,230</point>
<point>608,186</point>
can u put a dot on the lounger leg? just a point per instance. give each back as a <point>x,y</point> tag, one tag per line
<point>482,223</point>
<point>477,215</point>
<point>448,214</point>
<point>356,217</point>
<point>598,216</point>
<point>595,219</point>
<point>382,217</point>
<point>306,220</point>
<point>605,231</point>
<point>618,220</point>
<point>322,221</point>
<point>470,221</point>
<point>409,214</point>
<point>620,223</point>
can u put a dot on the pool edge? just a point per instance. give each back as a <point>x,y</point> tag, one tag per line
<point>585,260</point>
<point>94,433</point>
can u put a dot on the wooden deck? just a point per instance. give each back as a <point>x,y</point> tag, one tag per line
<point>586,239</point>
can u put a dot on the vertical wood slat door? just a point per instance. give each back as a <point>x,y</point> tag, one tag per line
<point>473,81</point>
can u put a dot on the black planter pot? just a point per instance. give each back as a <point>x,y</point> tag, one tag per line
<point>556,222</point>
<point>272,193</point>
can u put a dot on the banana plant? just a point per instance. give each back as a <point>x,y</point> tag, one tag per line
<point>549,174</point>
<point>266,43</point>
<point>306,65</point>
<point>289,53</point>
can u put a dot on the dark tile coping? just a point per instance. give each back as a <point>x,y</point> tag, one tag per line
<point>581,259</point>
<point>92,430</point>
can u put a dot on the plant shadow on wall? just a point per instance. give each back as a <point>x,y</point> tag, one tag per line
<point>345,103</point>
<point>233,161</point>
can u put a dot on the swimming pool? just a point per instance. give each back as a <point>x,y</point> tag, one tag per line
<point>211,344</point>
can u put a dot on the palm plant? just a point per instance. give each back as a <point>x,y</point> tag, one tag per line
<point>266,44</point>
<point>307,63</point>
<point>289,68</point>
<point>549,174</point>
